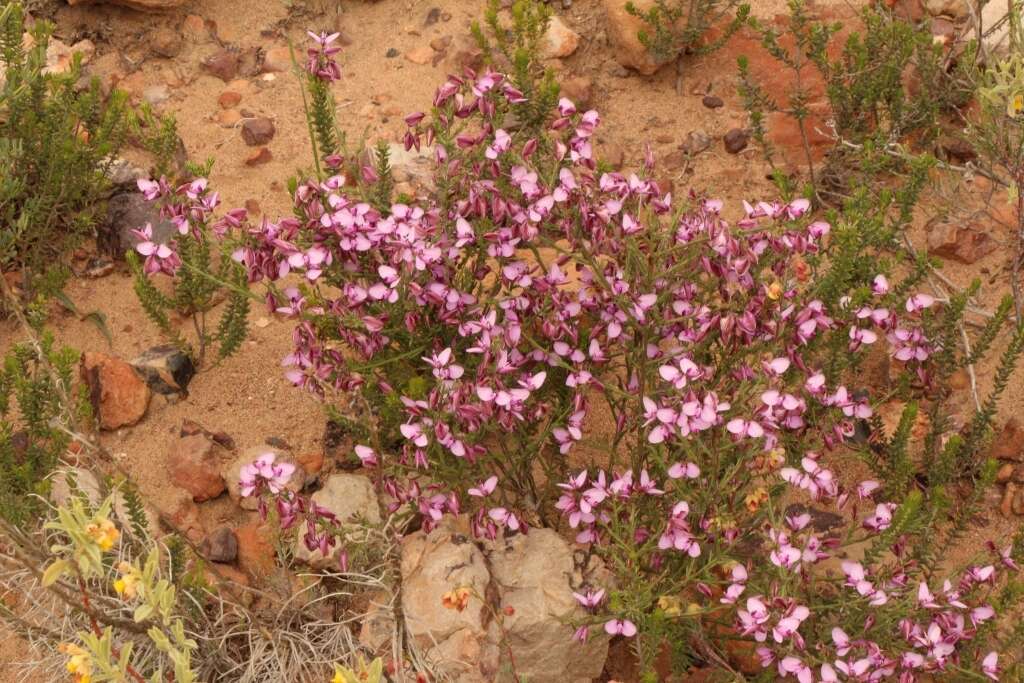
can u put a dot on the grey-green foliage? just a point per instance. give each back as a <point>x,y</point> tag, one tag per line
<point>55,142</point>
<point>679,27</point>
<point>35,380</point>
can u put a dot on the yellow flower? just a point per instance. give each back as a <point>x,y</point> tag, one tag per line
<point>128,584</point>
<point>755,498</point>
<point>103,532</point>
<point>670,605</point>
<point>1015,105</point>
<point>79,663</point>
<point>775,290</point>
<point>338,678</point>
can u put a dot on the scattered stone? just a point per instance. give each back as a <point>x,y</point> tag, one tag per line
<point>98,266</point>
<point>118,395</point>
<point>821,520</point>
<point>256,549</point>
<point>623,33</point>
<point>259,157</point>
<point>559,40</point>
<point>712,102</point>
<point>194,27</point>
<point>943,30</point>
<point>222,64</point>
<point>736,140</point>
<point>441,43</point>
<point>165,42</point>
<point>432,16</point>
<point>697,141</point>
<point>421,54</point>
<point>194,467</point>
<point>258,131</point>
<point>391,53</point>
<point>185,518</point>
<point>166,369</point>
<point>1009,443</point>
<point>124,175</point>
<point>156,94</point>
<point>141,5</point>
<point>466,55</point>
<point>228,117</point>
<point>957,9</point>
<point>349,497</point>
<point>311,462</point>
<point>378,623</point>
<point>222,439</point>
<point>229,99</point>
<point>277,60</point>
<point>959,150</point>
<point>1005,472</point>
<point>579,89</point>
<point>59,56</point>
<point>960,242</point>
<point>220,546</point>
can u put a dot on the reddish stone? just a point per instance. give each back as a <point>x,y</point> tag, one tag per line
<point>194,467</point>
<point>256,549</point>
<point>118,395</point>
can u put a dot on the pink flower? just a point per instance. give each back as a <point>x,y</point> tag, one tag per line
<point>485,489</point>
<point>620,627</point>
<point>366,455</point>
<point>990,665</point>
<point>264,471</point>
<point>160,257</point>
<point>919,302</point>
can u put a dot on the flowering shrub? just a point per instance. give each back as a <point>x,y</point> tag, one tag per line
<point>490,324</point>
<point>200,271</point>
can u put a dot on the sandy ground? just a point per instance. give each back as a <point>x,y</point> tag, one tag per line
<point>246,396</point>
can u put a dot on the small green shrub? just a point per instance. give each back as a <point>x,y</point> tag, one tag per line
<point>678,28</point>
<point>55,145</point>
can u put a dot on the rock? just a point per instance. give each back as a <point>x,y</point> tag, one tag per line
<point>433,15</point>
<point>441,43</point>
<point>222,64</point>
<point>528,579</point>
<point>277,60</point>
<point>908,10</point>
<point>421,54</point>
<point>1008,443</point>
<point>821,520</point>
<point>558,40</point>
<point>412,167</point>
<point>998,41</point>
<point>59,56</point>
<point>194,467</point>
<point>1018,502</point>
<point>166,369</point>
<point>957,9</point>
<point>165,42</point>
<point>350,497</point>
<point>579,89</point>
<point>1006,505</point>
<point>957,241</point>
<point>623,29</point>
<point>231,473</point>
<point>377,626</point>
<point>1005,472</point>
<point>258,131</point>
<point>127,211</point>
<point>259,157</point>
<point>124,175</point>
<point>712,102</point>
<point>391,53</point>
<point>194,27</point>
<point>256,551</point>
<point>118,395</point>
<point>697,141</point>
<point>141,5</point>
<point>736,140</point>
<point>943,30</point>
<point>184,515</point>
<point>220,546</point>
<point>228,117</point>
<point>222,439</point>
<point>466,55</point>
<point>229,99</point>
<point>312,463</point>
<point>436,564</point>
<point>156,94</point>
<point>536,575</point>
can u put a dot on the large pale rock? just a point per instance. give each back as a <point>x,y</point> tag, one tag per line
<point>527,579</point>
<point>141,5</point>
<point>536,574</point>
<point>413,171</point>
<point>118,395</point>
<point>623,34</point>
<point>433,564</point>
<point>559,40</point>
<point>350,497</point>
